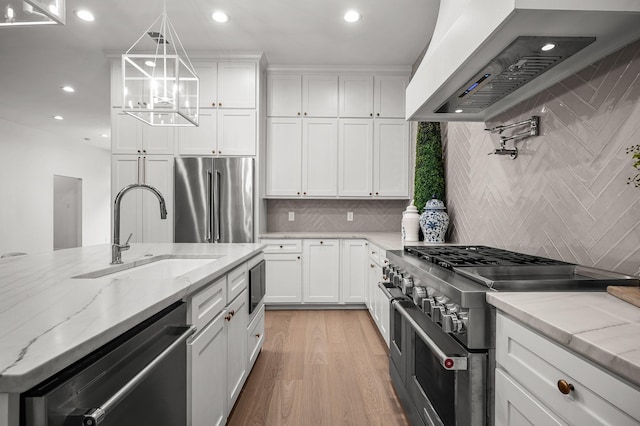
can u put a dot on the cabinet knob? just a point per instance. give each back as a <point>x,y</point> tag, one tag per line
<point>564,387</point>
<point>304,193</point>
<point>376,193</point>
<point>232,312</point>
<point>298,257</point>
<point>371,115</point>
<point>144,151</point>
<point>321,242</point>
<point>298,192</point>
<point>372,265</point>
<point>220,104</point>
<point>213,104</point>
<point>139,152</point>
<point>371,193</point>
<point>227,317</point>
<point>258,335</point>
<point>280,246</point>
<point>219,152</point>
<point>213,151</point>
<point>298,113</point>
<point>378,115</point>
<point>305,113</point>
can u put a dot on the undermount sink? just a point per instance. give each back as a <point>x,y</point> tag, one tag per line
<point>154,268</point>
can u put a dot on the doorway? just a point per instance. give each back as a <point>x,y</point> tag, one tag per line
<point>67,212</point>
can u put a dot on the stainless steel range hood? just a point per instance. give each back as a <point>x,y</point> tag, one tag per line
<point>485,57</point>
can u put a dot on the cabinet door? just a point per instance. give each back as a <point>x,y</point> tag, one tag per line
<point>283,278</point>
<point>117,89</point>
<point>284,95</point>
<point>515,407</point>
<point>356,96</point>
<point>199,140</point>
<point>320,157</point>
<point>384,309</point>
<point>284,156</point>
<point>236,85</point>
<point>125,170</point>
<point>126,134</point>
<point>320,95</point>
<point>389,96</point>
<point>355,255</point>
<point>391,158</point>
<point>236,331</point>
<point>255,337</point>
<point>157,139</point>
<point>208,74</point>
<point>207,357</point>
<point>355,157</point>
<point>237,132</point>
<point>157,171</point>
<point>321,278</point>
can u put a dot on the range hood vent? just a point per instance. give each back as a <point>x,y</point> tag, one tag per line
<point>522,61</point>
<point>484,60</point>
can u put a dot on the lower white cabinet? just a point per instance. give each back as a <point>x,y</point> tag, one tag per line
<point>355,254</point>
<point>284,278</point>
<point>377,301</point>
<point>531,370</point>
<point>236,319</point>
<point>206,396</point>
<point>321,271</point>
<point>255,336</point>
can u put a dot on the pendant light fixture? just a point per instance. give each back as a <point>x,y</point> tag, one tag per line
<point>160,88</point>
<point>31,12</point>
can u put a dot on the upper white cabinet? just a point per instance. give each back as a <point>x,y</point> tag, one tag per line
<point>389,96</point>
<point>222,132</point>
<point>391,158</point>
<point>131,136</point>
<point>356,96</point>
<point>227,84</point>
<point>355,147</point>
<point>302,157</point>
<point>296,95</point>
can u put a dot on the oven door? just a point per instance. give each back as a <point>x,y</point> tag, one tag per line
<point>257,278</point>
<point>446,383</point>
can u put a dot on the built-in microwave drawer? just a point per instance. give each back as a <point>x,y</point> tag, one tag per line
<point>282,246</point>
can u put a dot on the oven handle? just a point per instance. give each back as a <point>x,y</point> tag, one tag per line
<point>447,362</point>
<point>95,416</point>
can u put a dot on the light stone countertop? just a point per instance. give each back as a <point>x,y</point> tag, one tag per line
<point>386,240</point>
<point>49,320</point>
<point>596,325</point>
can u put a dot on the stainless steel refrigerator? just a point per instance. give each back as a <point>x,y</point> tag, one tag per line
<point>213,200</point>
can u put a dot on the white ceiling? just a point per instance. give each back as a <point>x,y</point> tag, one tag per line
<point>36,61</point>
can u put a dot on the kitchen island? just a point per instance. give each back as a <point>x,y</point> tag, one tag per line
<point>49,319</point>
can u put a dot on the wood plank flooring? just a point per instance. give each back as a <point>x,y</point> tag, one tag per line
<point>320,367</point>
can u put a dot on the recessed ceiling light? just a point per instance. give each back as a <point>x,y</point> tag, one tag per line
<point>352,16</point>
<point>68,89</point>
<point>58,117</point>
<point>547,47</point>
<point>104,135</point>
<point>220,16</point>
<point>150,63</point>
<point>458,111</point>
<point>85,15</point>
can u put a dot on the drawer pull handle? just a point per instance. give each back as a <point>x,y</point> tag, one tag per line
<point>564,387</point>
<point>232,312</point>
<point>258,335</point>
<point>227,317</point>
<point>280,246</point>
<point>372,265</point>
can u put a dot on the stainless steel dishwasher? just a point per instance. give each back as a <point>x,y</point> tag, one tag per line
<point>137,379</point>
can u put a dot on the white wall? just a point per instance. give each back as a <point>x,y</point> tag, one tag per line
<point>28,160</point>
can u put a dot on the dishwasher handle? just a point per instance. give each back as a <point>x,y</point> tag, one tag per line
<point>95,416</point>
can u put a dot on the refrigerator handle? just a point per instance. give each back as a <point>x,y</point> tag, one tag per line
<point>216,202</point>
<point>209,200</point>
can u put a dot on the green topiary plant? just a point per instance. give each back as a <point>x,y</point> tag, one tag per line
<point>429,177</point>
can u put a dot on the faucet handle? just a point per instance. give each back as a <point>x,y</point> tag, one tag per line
<point>125,246</point>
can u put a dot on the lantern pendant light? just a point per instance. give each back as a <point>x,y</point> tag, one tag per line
<point>160,88</point>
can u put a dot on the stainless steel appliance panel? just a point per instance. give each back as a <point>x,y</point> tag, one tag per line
<point>257,286</point>
<point>214,200</point>
<point>193,192</point>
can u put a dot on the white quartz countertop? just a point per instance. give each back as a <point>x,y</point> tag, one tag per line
<point>596,325</point>
<point>49,320</point>
<point>385,240</point>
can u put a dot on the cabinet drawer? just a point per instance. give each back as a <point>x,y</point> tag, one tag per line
<point>538,364</point>
<point>255,335</point>
<point>237,280</point>
<point>206,304</point>
<point>282,246</point>
<point>376,254</point>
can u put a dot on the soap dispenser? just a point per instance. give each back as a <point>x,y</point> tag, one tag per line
<point>410,223</point>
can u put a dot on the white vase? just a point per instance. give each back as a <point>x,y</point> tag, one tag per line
<point>434,221</point>
<point>410,223</point>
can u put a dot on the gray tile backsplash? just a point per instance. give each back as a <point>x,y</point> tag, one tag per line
<point>566,195</point>
<point>331,215</point>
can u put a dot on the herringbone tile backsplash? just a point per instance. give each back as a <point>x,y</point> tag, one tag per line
<point>565,196</point>
<point>331,215</point>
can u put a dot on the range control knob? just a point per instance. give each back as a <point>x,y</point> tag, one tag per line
<point>427,303</point>
<point>437,312</point>
<point>448,323</point>
<point>407,283</point>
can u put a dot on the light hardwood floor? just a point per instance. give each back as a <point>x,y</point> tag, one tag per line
<point>320,368</point>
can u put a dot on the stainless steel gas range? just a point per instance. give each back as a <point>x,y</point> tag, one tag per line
<point>442,331</point>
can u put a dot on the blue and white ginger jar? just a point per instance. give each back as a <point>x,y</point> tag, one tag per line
<point>434,221</point>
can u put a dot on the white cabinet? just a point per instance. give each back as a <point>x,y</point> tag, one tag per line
<point>377,301</point>
<point>529,368</point>
<point>321,271</point>
<point>356,96</point>
<point>389,96</point>
<point>206,394</point>
<point>255,337</point>
<point>223,132</point>
<point>391,158</point>
<point>131,136</point>
<point>140,209</point>
<point>284,278</point>
<point>296,95</point>
<point>302,157</point>
<point>355,254</point>
<point>227,84</point>
<point>355,156</point>
<point>236,321</point>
